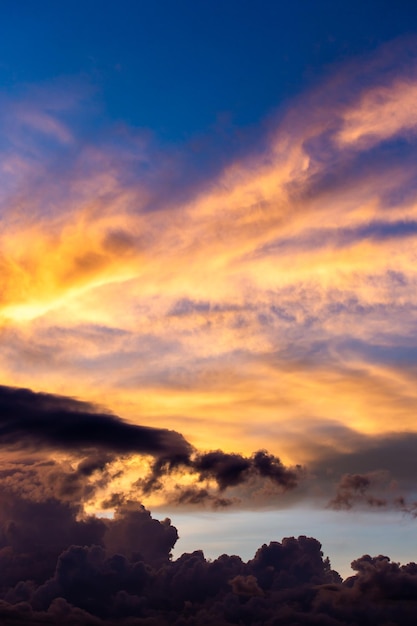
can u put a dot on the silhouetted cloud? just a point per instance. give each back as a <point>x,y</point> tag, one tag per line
<point>58,569</point>
<point>376,471</point>
<point>61,566</point>
<point>232,469</point>
<point>200,496</point>
<point>353,488</point>
<point>31,420</point>
<point>225,470</point>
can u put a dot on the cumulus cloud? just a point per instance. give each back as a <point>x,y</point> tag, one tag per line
<point>226,470</point>
<point>61,565</point>
<point>60,569</point>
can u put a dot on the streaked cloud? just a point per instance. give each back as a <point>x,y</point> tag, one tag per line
<point>250,306</point>
<point>381,113</point>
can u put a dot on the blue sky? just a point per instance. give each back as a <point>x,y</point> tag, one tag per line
<point>180,68</point>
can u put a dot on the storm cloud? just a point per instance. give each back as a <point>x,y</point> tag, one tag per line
<point>58,569</point>
<point>59,565</point>
<point>31,420</point>
<point>95,440</point>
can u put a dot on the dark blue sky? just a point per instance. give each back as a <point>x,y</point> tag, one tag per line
<point>179,67</point>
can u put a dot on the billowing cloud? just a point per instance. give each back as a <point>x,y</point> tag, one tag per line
<point>98,447</point>
<point>95,459</point>
<point>226,471</point>
<point>60,564</point>
<point>119,571</point>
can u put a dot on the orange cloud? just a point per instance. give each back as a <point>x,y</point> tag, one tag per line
<point>278,294</point>
<point>381,113</point>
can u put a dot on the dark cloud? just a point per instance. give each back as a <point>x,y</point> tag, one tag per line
<point>60,566</point>
<point>200,496</point>
<point>57,568</point>
<point>112,569</point>
<point>353,469</point>
<point>40,480</point>
<point>392,452</point>
<point>225,470</point>
<point>351,488</point>
<point>229,470</point>
<point>31,420</point>
<point>33,534</point>
<point>375,471</point>
<point>134,533</point>
<point>246,586</point>
<point>96,441</point>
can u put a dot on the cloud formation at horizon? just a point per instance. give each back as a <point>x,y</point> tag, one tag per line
<point>97,447</point>
<point>62,448</point>
<point>120,571</point>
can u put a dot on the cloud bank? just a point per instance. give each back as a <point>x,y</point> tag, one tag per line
<point>97,444</point>
<point>57,568</point>
<point>61,448</point>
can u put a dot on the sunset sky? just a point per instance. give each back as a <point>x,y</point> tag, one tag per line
<point>209,229</point>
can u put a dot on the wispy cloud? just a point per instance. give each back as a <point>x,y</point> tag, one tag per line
<point>252,304</point>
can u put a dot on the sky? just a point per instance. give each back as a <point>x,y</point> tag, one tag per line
<point>207,299</point>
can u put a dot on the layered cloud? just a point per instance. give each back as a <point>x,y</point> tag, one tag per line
<point>62,565</point>
<point>95,449</point>
<point>269,300</point>
<point>72,451</point>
